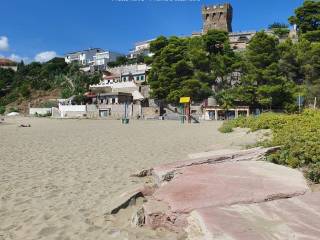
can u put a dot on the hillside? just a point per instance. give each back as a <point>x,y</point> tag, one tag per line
<point>37,83</point>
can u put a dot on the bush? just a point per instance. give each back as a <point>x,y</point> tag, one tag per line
<point>48,104</point>
<point>297,134</point>
<point>2,110</point>
<point>25,91</point>
<point>313,173</point>
<point>227,127</point>
<point>13,109</point>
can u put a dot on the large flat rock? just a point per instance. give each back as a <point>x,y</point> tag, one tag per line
<point>296,218</point>
<point>228,183</point>
<point>162,172</point>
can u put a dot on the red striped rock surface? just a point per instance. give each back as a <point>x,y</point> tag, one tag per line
<point>296,218</point>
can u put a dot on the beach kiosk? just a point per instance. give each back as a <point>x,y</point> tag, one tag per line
<point>185,109</point>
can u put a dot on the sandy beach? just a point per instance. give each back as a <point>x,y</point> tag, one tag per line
<point>58,177</point>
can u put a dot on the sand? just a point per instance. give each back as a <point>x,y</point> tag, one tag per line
<point>58,177</point>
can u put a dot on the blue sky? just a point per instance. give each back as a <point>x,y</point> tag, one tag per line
<point>40,29</point>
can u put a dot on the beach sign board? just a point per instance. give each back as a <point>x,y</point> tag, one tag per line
<point>184,99</point>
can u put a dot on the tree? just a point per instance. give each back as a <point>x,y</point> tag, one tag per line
<point>180,67</point>
<point>280,29</point>
<point>216,41</point>
<point>307,19</point>
<point>158,44</point>
<point>262,50</point>
<point>262,83</point>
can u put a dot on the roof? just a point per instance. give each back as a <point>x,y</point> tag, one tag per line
<point>86,50</point>
<point>137,95</point>
<point>7,62</point>
<point>144,42</point>
<point>115,94</point>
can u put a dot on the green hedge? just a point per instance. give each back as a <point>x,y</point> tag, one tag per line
<point>297,134</point>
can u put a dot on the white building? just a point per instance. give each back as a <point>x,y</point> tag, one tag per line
<point>141,48</point>
<point>8,64</point>
<point>92,57</point>
<point>103,58</point>
<point>84,57</point>
<point>127,79</point>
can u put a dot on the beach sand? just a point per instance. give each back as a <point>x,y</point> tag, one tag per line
<point>58,177</point>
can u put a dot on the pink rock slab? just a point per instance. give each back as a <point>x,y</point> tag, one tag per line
<point>296,218</point>
<point>225,184</point>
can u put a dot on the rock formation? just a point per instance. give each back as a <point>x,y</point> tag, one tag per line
<point>229,194</point>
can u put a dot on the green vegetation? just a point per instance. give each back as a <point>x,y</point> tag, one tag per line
<point>297,134</point>
<point>280,29</point>
<point>267,75</point>
<point>189,66</point>
<point>13,109</point>
<point>55,74</point>
<point>307,19</point>
<point>270,72</point>
<point>2,110</point>
<point>122,60</point>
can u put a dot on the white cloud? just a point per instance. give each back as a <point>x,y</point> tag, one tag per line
<point>45,56</point>
<point>18,58</point>
<point>4,43</point>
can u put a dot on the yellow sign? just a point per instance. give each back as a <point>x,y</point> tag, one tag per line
<point>184,99</point>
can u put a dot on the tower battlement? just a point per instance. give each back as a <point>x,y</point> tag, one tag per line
<point>218,16</point>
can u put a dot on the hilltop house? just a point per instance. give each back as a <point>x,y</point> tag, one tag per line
<point>141,48</point>
<point>96,57</point>
<point>8,64</point>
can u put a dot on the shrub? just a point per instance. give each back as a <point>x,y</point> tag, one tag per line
<point>2,110</point>
<point>226,127</point>
<point>25,91</point>
<point>13,109</point>
<point>297,134</point>
<point>48,104</point>
<point>313,173</point>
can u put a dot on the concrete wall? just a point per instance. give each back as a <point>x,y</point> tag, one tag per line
<point>42,111</point>
<point>14,68</point>
<point>150,112</point>
<point>118,110</point>
<point>71,111</point>
<point>55,112</point>
<point>73,108</point>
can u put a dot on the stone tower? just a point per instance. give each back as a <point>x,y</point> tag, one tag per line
<point>217,17</point>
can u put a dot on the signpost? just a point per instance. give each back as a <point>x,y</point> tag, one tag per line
<point>185,109</point>
<point>300,101</point>
<point>125,120</point>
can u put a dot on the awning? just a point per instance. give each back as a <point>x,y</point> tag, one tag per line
<point>137,95</point>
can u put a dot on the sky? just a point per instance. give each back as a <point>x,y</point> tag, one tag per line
<point>38,30</point>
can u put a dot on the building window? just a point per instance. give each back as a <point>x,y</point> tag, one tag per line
<point>142,78</point>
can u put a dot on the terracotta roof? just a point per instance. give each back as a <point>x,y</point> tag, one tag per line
<point>7,62</point>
